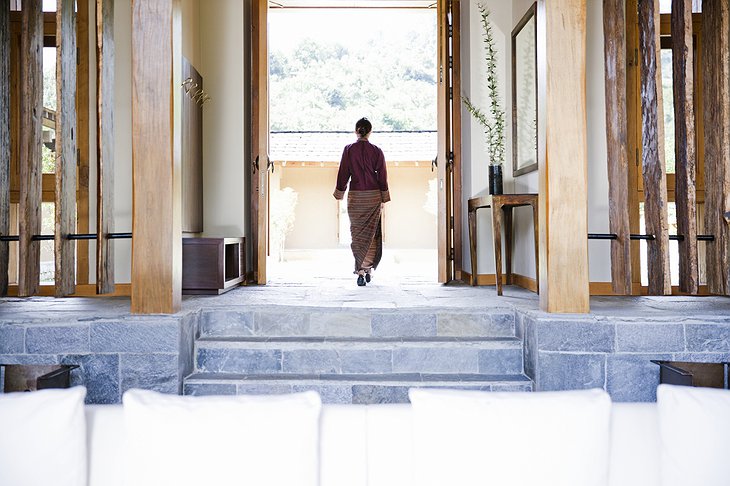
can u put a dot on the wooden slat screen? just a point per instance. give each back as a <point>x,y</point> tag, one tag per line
<point>614,28</point>
<point>653,164</point>
<point>31,109</point>
<point>684,139</point>
<point>65,147</point>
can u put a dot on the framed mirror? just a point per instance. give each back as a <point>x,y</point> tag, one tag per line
<point>524,94</point>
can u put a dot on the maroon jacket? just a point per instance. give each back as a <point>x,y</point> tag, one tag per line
<point>363,164</point>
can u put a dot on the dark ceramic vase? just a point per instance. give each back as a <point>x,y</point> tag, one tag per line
<point>495,179</point>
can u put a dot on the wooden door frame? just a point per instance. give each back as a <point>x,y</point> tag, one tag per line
<point>449,145</point>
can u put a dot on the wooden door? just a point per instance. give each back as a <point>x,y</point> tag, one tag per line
<point>259,138</point>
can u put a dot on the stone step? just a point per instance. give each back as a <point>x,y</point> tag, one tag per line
<point>351,388</point>
<point>287,355</point>
<point>355,322</point>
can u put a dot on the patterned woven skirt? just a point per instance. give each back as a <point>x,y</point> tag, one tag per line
<point>363,208</point>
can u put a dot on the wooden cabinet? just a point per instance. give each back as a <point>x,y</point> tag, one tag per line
<point>212,265</point>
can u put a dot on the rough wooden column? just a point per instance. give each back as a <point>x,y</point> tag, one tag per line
<point>653,163</point>
<point>156,104</point>
<point>104,145</point>
<point>716,70</point>
<point>562,149</point>
<point>82,140</point>
<point>684,140</point>
<point>65,147</point>
<point>614,33</point>
<point>31,111</point>
<point>4,142</point>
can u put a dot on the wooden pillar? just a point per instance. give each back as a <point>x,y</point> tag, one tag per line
<point>104,145</point>
<point>563,204</point>
<point>4,142</point>
<point>82,140</point>
<point>684,140</point>
<point>614,32</point>
<point>65,147</point>
<point>653,163</point>
<point>156,104</point>
<point>458,202</point>
<point>716,71</point>
<point>31,110</point>
<point>259,137</point>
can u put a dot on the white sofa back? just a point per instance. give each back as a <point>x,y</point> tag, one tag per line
<point>371,445</point>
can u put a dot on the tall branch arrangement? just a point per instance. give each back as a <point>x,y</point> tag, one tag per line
<point>493,122</point>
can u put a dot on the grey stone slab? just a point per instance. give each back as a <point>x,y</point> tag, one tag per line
<point>367,361</point>
<point>263,388</point>
<point>223,322</point>
<point>633,377</point>
<point>341,394</point>
<point>207,389</point>
<point>570,371</point>
<point>404,324</point>
<point>475,324</point>
<point>12,339</point>
<point>500,361</point>
<point>435,360</point>
<point>373,394</point>
<point>238,360</point>
<point>99,373</point>
<point>582,336</point>
<point>144,336</point>
<point>284,323</point>
<point>28,359</point>
<point>519,319</point>
<point>356,324</point>
<point>708,337</point>
<point>720,357</point>
<point>512,387</point>
<point>57,339</point>
<point>189,332</point>
<point>311,361</point>
<point>529,348</point>
<point>645,337</point>
<point>158,372</point>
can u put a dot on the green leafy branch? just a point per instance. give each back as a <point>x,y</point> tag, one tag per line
<point>494,123</point>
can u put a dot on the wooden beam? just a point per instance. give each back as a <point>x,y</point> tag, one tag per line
<point>82,140</point>
<point>31,109</point>
<point>444,145</point>
<point>653,163</point>
<point>562,150</point>
<point>4,142</point>
<point>156,117</point>
<point>456,130</point>
<point>260,137</point>
<point>614,32</point>
<point>65,210</point>
<point>684,139</point>
<point>716,68</point>
<point>104,145</point>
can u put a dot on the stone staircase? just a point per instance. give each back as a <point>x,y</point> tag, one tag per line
<point>355,355</point>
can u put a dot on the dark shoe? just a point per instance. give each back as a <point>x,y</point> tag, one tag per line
<point>367,277</point>
<point>360,281</point>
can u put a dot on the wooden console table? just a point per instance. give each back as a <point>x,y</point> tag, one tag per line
<point>501,205</point>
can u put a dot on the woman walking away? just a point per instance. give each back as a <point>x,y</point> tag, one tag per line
<point>363,164</point>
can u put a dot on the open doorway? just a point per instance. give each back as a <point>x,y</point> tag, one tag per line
<point>316,70</point>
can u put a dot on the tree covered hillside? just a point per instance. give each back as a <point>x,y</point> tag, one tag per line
<point>321,83</point>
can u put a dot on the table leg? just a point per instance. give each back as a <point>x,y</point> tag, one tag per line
<point>497,231</point>
<point>508,243</point>
<point>536,229</point>
<point>473,245</point>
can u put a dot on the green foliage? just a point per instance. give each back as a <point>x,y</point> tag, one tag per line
<point>48,160</point>
<point>318,85</point>
<point>494,123</point>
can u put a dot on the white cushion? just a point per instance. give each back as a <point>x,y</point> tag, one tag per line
<point>635,445</point>
<point>43,438</point>
<point>694,426</point>
<point>242,440</point>
<point>470,438</point>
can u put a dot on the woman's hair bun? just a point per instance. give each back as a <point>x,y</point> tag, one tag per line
<point>363,126</point>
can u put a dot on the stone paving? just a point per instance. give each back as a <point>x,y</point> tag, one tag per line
<point>610,348</point>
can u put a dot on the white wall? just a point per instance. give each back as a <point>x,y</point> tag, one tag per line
<point>224,44</point>
<point>505,16</point>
